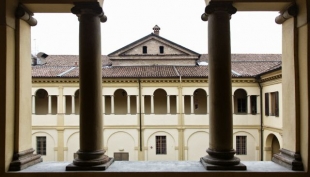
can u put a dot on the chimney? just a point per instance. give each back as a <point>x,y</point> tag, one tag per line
<point>156,30</point>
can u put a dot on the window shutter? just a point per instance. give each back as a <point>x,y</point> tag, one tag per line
<point>266,104</point>
<point>277,104</point>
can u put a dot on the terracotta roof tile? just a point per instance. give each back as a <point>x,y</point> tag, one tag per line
<point>243,65</point>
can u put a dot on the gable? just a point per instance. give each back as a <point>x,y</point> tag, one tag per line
<point>153,42</point>
<point>154,47</point>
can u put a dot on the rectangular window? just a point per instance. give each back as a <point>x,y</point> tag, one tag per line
<point>274,104</point>
<point>144,49</point>
<point>161,49</point>
<point>241,105</point>
<point>41,145</point>
<point>241,145</point>
<point>253,99</point>
<point>161,145</point>
<point>121,156</point>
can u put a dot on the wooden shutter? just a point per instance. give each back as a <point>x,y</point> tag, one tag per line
<point>276,104</point>
<point>266,104</point>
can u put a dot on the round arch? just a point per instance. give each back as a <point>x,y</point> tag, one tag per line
<point>49,143</point>
<point>240,101</point>
<point>197,144</point>
<point>160,101</point>
<point>170,144</point>
<point>121,142</point>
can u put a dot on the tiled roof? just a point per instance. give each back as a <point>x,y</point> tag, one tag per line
<point>243,65</point>
<point>70,60</point>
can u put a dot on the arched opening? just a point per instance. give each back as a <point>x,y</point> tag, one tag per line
<point>41,103</point>
<point>77,101</point>
<point>275,146</point>
<point>240,101</point>
<point>200,101</point>
<point>160,101</point>
<point>272,146</point>
<point>120,101</point>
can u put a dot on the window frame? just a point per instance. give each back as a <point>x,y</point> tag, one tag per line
<point>241,145</point>
<point>161,145</point>
<point>41,145</point>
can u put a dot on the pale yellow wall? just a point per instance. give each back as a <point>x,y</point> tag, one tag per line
<point>273,121</point>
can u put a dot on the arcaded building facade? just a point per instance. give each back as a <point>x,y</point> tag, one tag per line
<point>156,103</point>
<point>16,146</point>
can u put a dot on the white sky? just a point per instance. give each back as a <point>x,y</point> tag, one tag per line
<point>179,20</point>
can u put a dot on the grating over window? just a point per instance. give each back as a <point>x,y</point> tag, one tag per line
<point>161,145</point>
<point>41,145</point>
<point>121,156</point>
<point>241,145</point>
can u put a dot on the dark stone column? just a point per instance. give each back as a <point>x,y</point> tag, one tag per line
<point>90,156</point>
<point>221,152</point>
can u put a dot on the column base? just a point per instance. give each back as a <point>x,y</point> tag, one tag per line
<point>102,167</point>
<point>24,160</point>
<point>211,163</point>
<point>288,159</point>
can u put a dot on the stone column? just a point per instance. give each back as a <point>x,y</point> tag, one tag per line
<point>249,104</point>
<point>233,104</point>
<point>183,104</point>
<point>168,104</point>
<point>64,104</point>
<point>221,152</point>
<point>128,104</point>
<point>103,104</point>
<point>177,104</point>
<point>33,104</point>
<point>137,103</point>
<point>90,156</point>
<point>152,104</point>
<point>192,104</point>
<point>49,104</point>
<point>73,104</point>
<point>258,105</point>
<point>112,104</point>
<point>142,104</point>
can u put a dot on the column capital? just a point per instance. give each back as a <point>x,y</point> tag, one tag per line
<point>93,8</point>
<point>289,12</point>
<point>25,14</point>
<point>218,6</point>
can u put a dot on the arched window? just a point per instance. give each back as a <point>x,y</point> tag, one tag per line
<point>41,103</point>
<point>160,101</point>
<point>120,101</point>
<point>240,101</point>
<point>200,101</point>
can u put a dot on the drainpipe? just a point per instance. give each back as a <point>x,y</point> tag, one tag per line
<point>261,116</point>
<point>140,116</point>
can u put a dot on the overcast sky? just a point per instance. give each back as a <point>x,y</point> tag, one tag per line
<point>179,20</point>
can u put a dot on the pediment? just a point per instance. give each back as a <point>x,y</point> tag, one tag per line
<point>153,45</point>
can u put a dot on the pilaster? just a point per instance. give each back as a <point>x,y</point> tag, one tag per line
<point>23,152</point>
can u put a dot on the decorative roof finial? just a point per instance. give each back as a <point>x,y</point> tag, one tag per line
<point>156,29</point>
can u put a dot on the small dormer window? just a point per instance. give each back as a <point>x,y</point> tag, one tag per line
<point>161,49</point>
<point>144,49</point>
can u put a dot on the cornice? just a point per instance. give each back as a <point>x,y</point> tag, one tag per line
<point>271,77</point>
